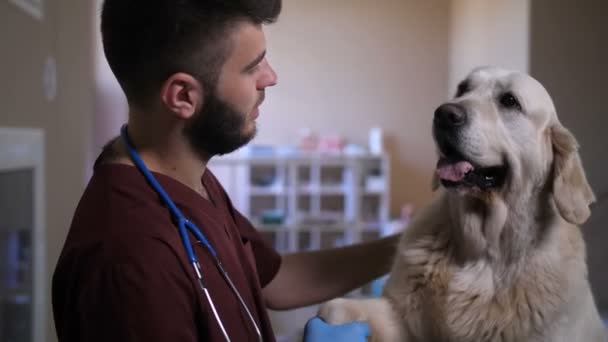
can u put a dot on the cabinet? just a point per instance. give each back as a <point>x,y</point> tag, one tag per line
<point>22,261</point>
<point>305,200</point>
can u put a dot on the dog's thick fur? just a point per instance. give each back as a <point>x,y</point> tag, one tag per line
<point>501,265</point>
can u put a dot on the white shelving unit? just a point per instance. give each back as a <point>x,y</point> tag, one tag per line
<point>304,201</point>
<point>318,201</point>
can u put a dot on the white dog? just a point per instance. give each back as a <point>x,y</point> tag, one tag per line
<point>498,256</point>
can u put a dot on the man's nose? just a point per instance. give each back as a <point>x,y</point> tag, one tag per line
<point>269,78</point>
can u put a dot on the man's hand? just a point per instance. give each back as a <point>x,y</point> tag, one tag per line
<point>317,330</point>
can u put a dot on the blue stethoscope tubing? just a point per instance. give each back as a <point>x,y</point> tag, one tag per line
<point>184,225</point>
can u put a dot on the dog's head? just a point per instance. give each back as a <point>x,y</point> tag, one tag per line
<point>500,135</point>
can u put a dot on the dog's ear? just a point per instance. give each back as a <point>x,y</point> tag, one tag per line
<point>571,191</point>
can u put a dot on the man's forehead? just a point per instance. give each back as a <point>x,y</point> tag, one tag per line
<point>248,33</point>
<point>247,41</point>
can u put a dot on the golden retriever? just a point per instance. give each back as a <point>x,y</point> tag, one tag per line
<point>498,255</point>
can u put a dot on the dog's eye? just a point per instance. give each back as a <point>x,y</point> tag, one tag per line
<point>508,100</point>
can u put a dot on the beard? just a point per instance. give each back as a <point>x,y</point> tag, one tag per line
<point>217,128</point>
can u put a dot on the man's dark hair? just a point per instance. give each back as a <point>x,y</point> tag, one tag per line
<point>146,41</point>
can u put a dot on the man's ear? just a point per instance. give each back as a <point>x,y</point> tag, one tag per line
<point>435,182</point>
<point>182,94</point>
<point>571,190</point>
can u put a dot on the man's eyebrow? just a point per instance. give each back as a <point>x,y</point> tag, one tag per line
<point>255,62</point>
<point>463,88</point>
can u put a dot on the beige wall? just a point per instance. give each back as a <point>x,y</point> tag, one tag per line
<point>110,104</point>
<point>63,33</point>
<point>347,65</point>
<point>569,55</point>
<point>486,32</point>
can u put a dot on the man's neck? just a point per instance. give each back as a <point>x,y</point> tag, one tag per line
<point>165,152</point>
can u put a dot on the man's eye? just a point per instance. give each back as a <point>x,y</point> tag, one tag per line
<point>463,88</point>
<point>508,100</point>
<point>253,69</point>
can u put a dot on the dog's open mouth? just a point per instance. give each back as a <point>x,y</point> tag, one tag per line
<point>462,173</point>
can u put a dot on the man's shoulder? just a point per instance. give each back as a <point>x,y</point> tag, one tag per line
<point>112,198</point>
<point>112,210</point>
<point>114,235</point>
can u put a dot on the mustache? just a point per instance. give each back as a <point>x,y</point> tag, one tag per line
<point>261,98</point>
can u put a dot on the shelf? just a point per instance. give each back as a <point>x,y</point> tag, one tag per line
<point>16,293</point>
<point>322,189</point>
<point>371,226</point>
<point>4,228</point>
<point>333,189</point>
<point>322,218</point>
<point>378,192</point>
<point>265,227</point>
<point>267,191</point>
<point>307,189</point>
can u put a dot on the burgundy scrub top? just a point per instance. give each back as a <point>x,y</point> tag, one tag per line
<point>123,273</point>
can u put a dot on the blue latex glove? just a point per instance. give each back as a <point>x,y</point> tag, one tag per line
<point>317,330</point>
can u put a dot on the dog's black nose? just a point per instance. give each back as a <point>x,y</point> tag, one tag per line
<point>450,115</point>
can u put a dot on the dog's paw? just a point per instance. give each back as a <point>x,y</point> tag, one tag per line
<point>342,310</point>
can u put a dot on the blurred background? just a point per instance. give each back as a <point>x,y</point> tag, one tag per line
<point>344,151</point>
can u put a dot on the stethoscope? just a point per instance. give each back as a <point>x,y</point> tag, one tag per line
<point>184,225</point>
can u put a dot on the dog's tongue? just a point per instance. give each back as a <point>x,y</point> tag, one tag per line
<point>453,172</point>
